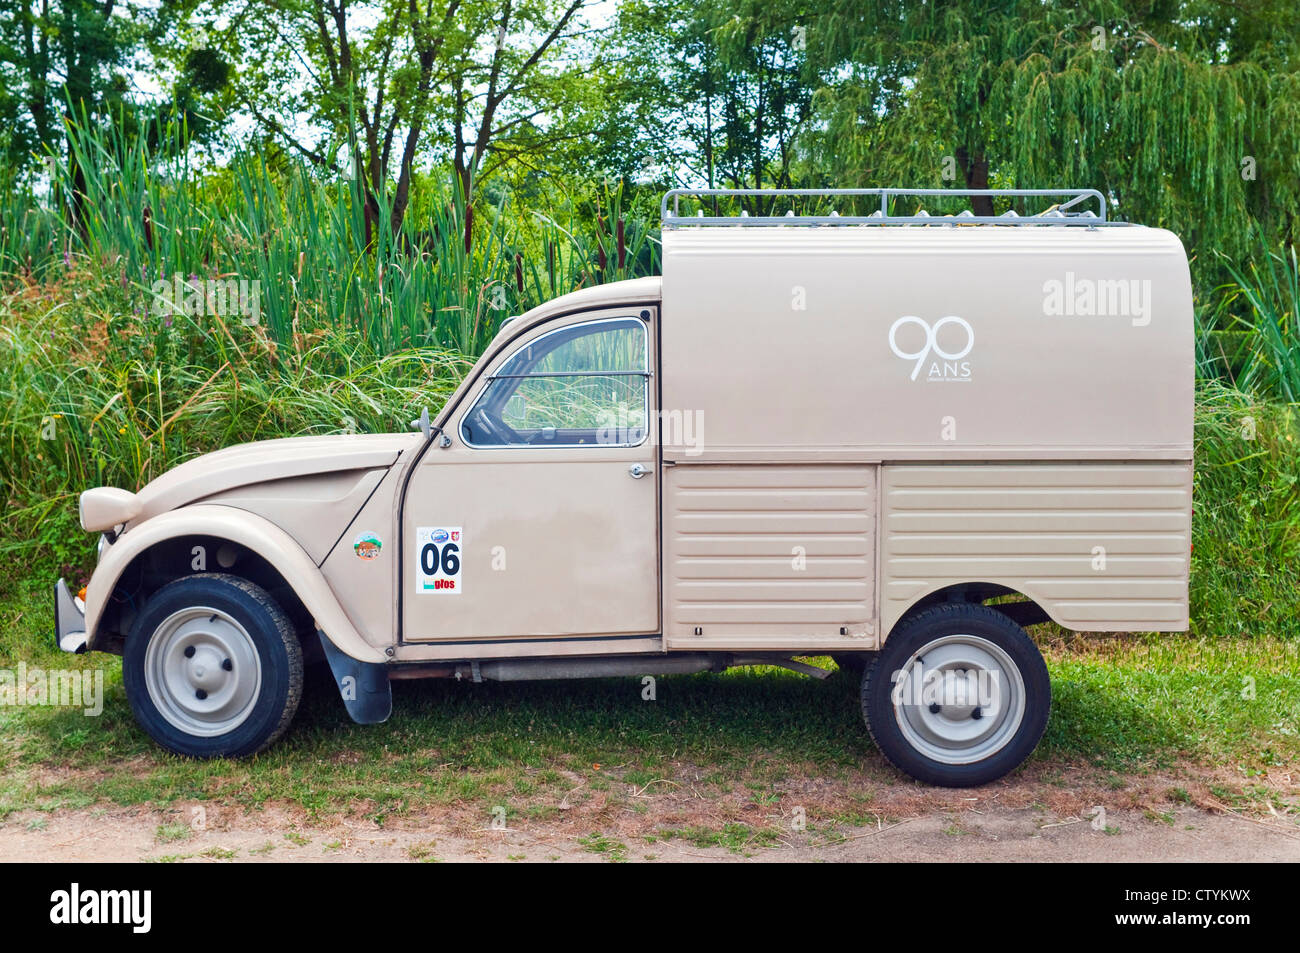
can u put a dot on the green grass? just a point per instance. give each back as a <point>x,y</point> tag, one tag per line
<point>615,851</point>
<point>1245,573</point>
<point>1267,289</point>
<point>736,837</point>
<point>1122,705</point>
<point>171,833</point>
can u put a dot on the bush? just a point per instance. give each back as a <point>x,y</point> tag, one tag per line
<point>1246,527</point>
<point>93,393</point>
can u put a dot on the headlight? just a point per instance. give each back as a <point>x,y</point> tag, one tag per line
<point>105,506</point>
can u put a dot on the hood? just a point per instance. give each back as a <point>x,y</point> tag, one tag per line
<point>268,460</point>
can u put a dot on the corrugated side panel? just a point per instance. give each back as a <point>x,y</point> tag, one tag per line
<point>769,557</point>
<point>1102,548</point>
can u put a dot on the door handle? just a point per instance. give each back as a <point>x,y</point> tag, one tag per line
<point>637,470</point>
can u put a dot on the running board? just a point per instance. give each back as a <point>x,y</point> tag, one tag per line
<point>610,666</point>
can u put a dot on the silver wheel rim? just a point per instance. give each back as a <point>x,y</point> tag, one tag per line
<point>202,671</point>
<point>959,699</point>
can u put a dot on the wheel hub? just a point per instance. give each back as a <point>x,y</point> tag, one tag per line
<point>963,699</point>
<point>202,671</point>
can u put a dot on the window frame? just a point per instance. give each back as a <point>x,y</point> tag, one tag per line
<point>492,377</point>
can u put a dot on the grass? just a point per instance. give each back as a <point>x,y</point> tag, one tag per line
<point>1123,706</point>
<point>614,851</point>
<point>736,837</point>
<point>1268,289</point>
<point>1245,572</point>
<point>171,833</point>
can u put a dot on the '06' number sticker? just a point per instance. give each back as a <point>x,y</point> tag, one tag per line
<point>437,559</point>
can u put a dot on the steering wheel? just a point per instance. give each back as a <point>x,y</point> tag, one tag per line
<point>495,428</point>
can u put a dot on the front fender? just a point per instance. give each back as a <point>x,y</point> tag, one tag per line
<point>247,529</point>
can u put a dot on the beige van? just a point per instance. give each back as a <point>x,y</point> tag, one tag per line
<point>894,439</point>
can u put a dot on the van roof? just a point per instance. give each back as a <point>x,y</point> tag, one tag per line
<point>611,295</point>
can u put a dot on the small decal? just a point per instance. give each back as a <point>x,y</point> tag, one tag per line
<point>367,546</point>
<point>437,560</point>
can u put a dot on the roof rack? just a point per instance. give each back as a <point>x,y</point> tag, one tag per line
<point>1061,213</point>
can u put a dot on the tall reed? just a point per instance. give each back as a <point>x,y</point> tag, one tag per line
<point>1270,287</point>
<point>320,248</point>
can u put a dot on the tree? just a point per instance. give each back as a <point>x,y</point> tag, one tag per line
<point>720,101</point>
<point>58,57</point>
<point>1182,112</point>
<point>474,82</point>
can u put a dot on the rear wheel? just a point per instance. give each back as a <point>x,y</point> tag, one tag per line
<point>212,667</point>
<point>959,696</point>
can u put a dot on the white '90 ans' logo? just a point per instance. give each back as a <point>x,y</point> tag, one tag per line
<point>931,343</point>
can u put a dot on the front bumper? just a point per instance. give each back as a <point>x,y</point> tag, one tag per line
<point>69,620</point>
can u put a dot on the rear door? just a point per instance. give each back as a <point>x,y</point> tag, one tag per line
<point>774,557</point>
<point>540,520</point>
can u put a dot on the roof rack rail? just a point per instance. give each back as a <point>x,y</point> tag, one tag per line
<point>1062,213</point>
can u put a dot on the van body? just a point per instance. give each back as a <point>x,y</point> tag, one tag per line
<point>895,441</point>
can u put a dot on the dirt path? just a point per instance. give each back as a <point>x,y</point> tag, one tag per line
<point>1188,834</point>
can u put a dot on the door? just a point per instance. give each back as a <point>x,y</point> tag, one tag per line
<point>774,556</point>
<point>540,519</point>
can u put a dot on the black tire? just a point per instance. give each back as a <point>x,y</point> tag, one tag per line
<point>958,629</point>
<point>272,694</point>
<point>853,663</point>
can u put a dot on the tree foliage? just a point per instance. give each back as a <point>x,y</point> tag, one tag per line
<point>391,83</point>
<point>715,106</point>
<point>1186,114</point>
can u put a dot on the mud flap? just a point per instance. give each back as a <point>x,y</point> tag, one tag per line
<point>69,621</point>
<point>363,685</point>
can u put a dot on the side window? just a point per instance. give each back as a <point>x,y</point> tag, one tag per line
<point>586,384</point>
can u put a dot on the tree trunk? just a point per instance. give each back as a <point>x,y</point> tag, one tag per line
<point>976,170</point>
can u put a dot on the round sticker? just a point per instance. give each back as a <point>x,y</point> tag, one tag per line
<point>368,545</point>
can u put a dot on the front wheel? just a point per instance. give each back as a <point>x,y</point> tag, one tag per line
<point>959,696</point>
<point>212,667</point>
